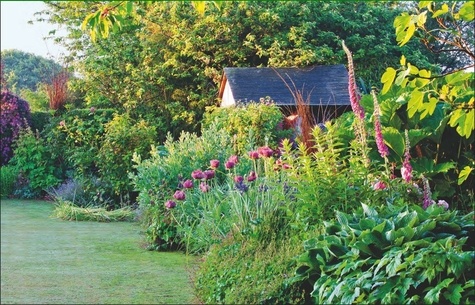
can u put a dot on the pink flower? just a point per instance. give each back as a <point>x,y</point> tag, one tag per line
<point>252,176</point>
<point>382,148</point>
<point>92,109</point>
<point>265,151</point>
<point>443,204</point>
<point>352,88</point>
<point>179,195</point>
<point>204,187</point>
<point>238,179</point>
<point>214,163</point>
<point>170,204</point>
<point>286,166</point>
<point>234,159</point>
<point>406,170</point>
<point>209,174</point>
<point>188,184</point>
<point>197,174</point>
<point>254,155</point>
<point>62,124</point>
<point>229,164</point>
<point>379,186</point>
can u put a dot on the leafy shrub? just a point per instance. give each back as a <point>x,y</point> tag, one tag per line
<point>39,120</point>
<point>252,125</point>
<point>122,139</point>
<point>8,177</point>
<point>397,256</point>
<point>33,160</point>
<point>240,272</point>
<point>14,116</point>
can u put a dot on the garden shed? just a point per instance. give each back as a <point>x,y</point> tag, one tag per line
<point>324,88</point>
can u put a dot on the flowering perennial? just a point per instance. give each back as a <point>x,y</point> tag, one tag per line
<point>406,170</point>
<point>382,148</point>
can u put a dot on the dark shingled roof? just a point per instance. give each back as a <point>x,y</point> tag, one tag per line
<point>326,85</point>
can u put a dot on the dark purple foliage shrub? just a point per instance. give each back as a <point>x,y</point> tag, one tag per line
<point>14,115</point>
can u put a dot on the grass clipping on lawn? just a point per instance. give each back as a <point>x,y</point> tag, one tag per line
<point>69,211</point>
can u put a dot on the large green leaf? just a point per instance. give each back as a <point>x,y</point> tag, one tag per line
<point>432,295</point>
<point>394,139</point>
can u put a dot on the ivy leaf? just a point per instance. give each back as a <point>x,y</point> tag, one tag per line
<point>453,293</point>
<point>432,295</point>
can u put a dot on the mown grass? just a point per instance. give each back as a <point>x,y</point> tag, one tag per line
<point>51,261</point>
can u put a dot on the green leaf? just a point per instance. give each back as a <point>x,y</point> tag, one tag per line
<point>443,10</point>
<point>394,139</point>
<point>466,12</point>
<point>453,293</point>
<point>415,103</point>
<point>464,174</point>
<point>387,79</point>
<point>432,295</point>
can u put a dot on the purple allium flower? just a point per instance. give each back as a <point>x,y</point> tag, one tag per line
<point>170,204</point>
<point>188,184</point>
<point>214,163</point>
<point>382,148</point>
<point>406,170</point>
<point>252,176</point>
<point>209,174</point>
<point>380,185</point>
<point>352,88</point>
<point>254,154</point>
<point>204,187</point>
<point>426,201</point>
<point>197,174</point>
<point>179,195</point>
<point>238,179</point>
<point>233,159</point>
<point>229,164</point>
<point>265,151</point>
<point>443,204</point>
<point>241,186</point>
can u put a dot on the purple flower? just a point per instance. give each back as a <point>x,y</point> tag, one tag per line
<point>179,195</point>
<point>426,201</point>
<point>382,148</point>
<point>209,174</point>
<point>254,154</point>
<point>238,179</point>
<point>188,184</point>
<point>252,176</point>
<point>265,151</point>
<point>443,204</point>
<point>170,204</point>
<point>92,109</point>
<point>214,163</point>
<point>406,170</point>
<point>241,186</point>
<point>233,159</point>
<point>229,164</point>
<point>197,174</point>
<point>204,187</point>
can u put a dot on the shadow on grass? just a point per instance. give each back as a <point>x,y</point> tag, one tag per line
<point>46,260</point>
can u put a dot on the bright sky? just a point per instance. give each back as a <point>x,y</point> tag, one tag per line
<point>16,33</point>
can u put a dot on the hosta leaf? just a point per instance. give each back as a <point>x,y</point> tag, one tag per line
<point>368,211</point>
<point>395,262</point>
<point>433,294</point>
<point>424,227</point>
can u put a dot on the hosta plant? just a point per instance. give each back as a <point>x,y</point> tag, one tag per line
<point>397,256</point>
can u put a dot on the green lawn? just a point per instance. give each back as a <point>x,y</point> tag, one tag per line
<point>47,260</point>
